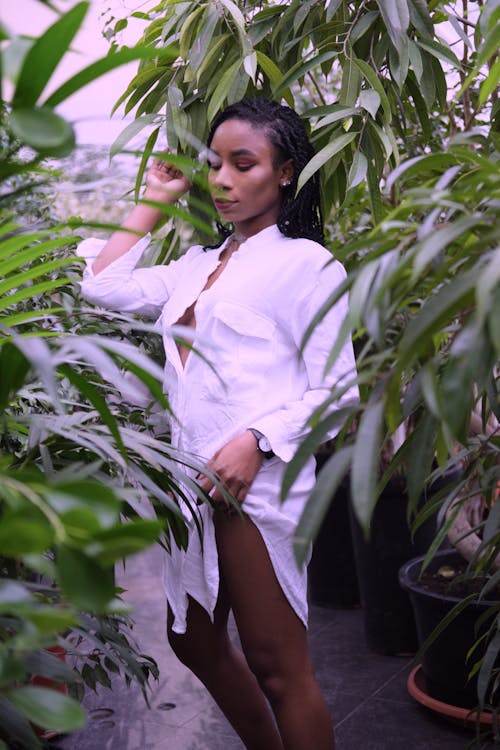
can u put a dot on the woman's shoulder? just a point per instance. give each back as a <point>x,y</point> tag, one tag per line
<point>305,253</point>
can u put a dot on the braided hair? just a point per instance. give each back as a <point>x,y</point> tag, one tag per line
<point>299,216</point>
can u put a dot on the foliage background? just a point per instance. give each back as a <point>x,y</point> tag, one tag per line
<point>409,162</point>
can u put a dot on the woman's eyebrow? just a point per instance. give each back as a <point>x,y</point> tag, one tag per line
<point>243,152</point>
<point>235,152</point>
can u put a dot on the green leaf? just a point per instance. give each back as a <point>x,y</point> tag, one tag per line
<point>420,17</point>
<point>124,540</point>
<point>326,153</point>
<point>332,113</point>
<point>489,47</point>
<point>104,65</point>
<point>374,193</point>
<point>187,31</point>
<point>300,69</point>
<point>97,400</point>
<point>361,26</point>
<point>50,620</point>
<point>16,726</point>
<point>222,90</point>
<point>43,130</point>
<point>420,165</point>
<point>436,313</point>
<point>327,483</point>
<point>358,170</point>
<point>366,463</point>
<point>132,129</point>
<point>427,249</point>
<point>396,15</point>
<point>415,60</point>
<point>21,536</point>
<point>488,668</point>
<point>50,663</point>
<point>86,494</point>
<point>44,56</point>
<point>369,99</point>
<point>85,583</point>
<point>13,370</point>
<point>490,84</point>
<point>351,82</point>
<point>420,458</point>
<point>440,51</point>
<point>399,64</point>
<point>29,292</point>
<point>332,8</point>
<point>47,708</point>
<point>239,21</point>
<point>16,280</point>
<point>376,84</point>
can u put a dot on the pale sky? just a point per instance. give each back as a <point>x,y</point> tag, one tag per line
<point>90,108</point>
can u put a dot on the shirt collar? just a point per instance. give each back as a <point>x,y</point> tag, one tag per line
<point>264,237</point>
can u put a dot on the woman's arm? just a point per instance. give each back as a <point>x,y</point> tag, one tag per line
<point>164,185</point>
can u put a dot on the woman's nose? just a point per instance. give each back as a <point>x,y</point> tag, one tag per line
<point>222,178</point>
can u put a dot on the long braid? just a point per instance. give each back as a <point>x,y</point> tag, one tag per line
<point>299,216</point>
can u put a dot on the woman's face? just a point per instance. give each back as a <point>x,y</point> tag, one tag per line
<point>245,185</point>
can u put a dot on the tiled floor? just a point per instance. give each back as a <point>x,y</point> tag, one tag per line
<point>366,692</point>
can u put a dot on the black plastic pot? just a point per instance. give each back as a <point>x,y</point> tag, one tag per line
<point>444,663</point>
<point>332,576</point>
<point>388,615</point>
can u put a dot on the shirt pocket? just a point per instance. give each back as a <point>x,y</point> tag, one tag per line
<point>243,349</point>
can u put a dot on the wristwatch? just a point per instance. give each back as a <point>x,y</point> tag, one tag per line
<point>263,443</point>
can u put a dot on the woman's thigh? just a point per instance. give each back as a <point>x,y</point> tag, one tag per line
<point>273,637</point>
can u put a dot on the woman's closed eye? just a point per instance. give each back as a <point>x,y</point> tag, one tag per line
<point>241,166</point>
<point>244,166</point>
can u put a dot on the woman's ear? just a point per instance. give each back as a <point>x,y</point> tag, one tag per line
<point>286,173</point>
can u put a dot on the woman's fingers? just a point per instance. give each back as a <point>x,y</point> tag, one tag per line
<point>237,488</point>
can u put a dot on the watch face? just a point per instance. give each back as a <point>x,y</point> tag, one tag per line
<point>264,445</point>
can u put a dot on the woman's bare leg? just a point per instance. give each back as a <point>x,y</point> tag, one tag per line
<point>208,652</point>
<point>274,640</point>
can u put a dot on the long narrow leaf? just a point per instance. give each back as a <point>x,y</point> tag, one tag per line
<point>104,65</point>
<point>329,479</point>
<point>326,153</point>
<point>44,56</point>
<point>366,463</point>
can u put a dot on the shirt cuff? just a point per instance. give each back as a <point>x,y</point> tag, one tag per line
<point>90,248</point>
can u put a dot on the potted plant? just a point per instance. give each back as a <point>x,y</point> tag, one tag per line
<point>425,303</point>
<point>75,472</point>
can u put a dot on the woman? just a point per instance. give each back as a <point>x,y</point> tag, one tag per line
<point>248,302</point>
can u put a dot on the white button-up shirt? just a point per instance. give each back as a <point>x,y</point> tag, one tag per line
<point>250,326</point>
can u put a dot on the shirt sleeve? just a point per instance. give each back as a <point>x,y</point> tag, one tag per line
<point>122,286</point>
<point>287,426</point>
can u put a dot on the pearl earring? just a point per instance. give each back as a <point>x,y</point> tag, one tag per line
<point>286,183</point>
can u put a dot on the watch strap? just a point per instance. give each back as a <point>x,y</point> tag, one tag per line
<point>263,443</point>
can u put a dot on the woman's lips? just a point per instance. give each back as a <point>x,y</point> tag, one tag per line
<point>222,205</point>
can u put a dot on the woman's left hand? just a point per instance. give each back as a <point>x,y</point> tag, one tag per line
<point>235,465</point>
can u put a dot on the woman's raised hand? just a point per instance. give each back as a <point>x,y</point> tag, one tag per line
<point>165,182</point>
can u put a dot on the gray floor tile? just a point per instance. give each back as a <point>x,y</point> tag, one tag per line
<point>366,692</point>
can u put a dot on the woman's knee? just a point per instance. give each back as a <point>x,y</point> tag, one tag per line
<point>198,654</point>
<point>278,675</point>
